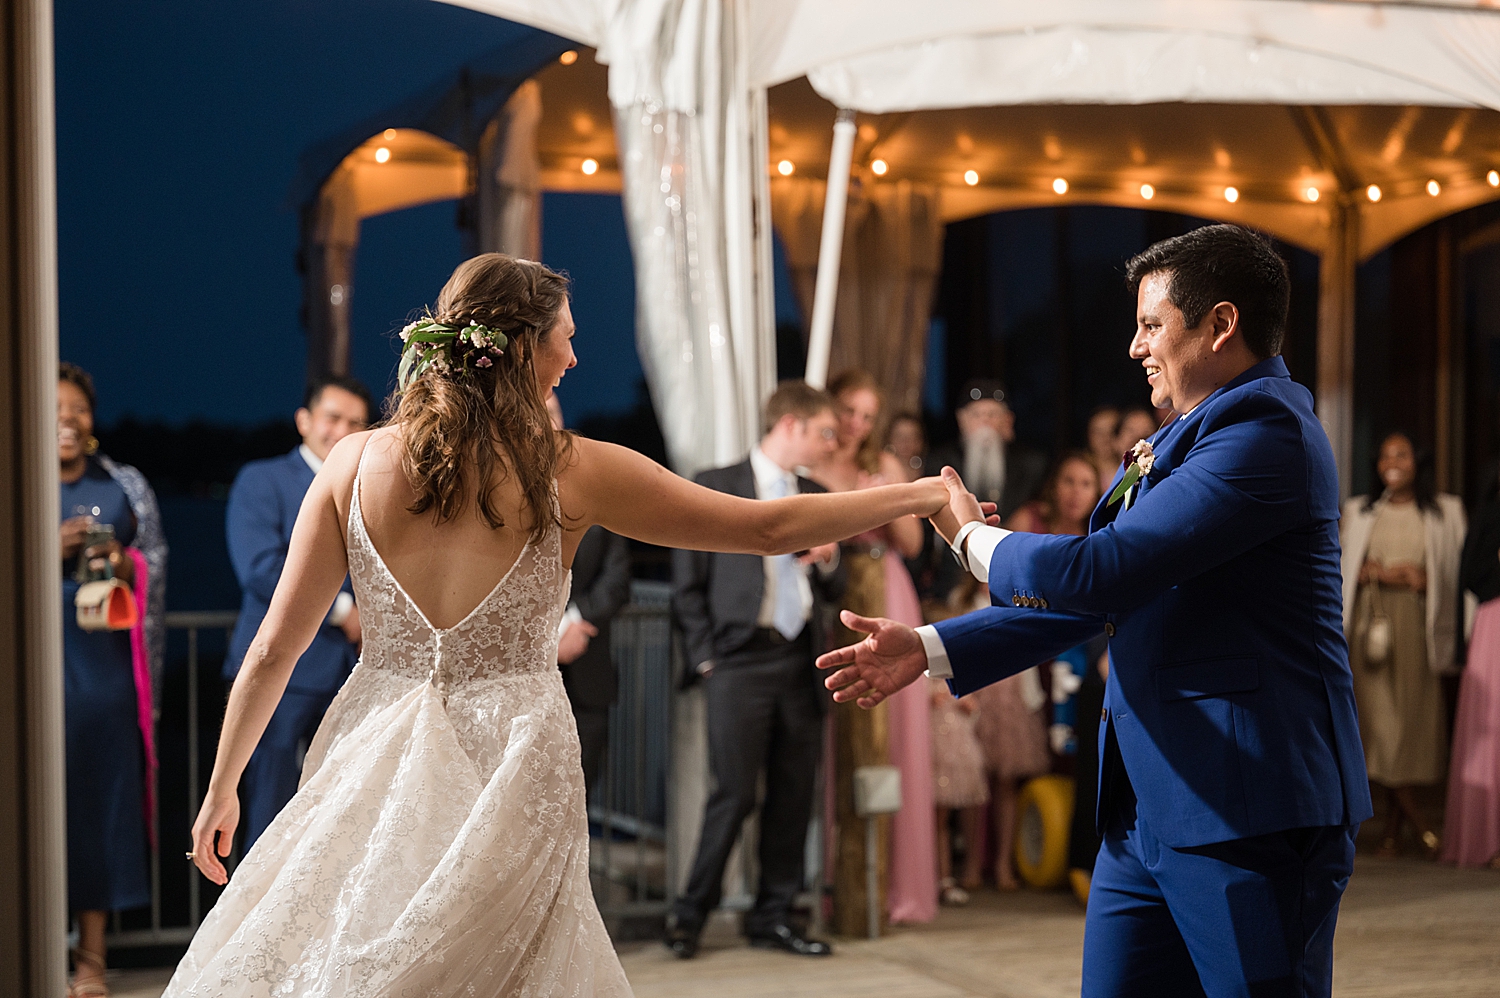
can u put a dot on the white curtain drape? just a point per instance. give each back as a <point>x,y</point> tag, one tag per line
<point>688,127</point>
<point>508,181</point>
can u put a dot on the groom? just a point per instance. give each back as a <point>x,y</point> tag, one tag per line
<point>1231,775</point>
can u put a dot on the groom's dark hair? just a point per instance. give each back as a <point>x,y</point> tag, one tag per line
<point>1222,263</point>
<point>795,398</point>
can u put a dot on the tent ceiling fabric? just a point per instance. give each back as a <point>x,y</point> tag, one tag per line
<point>979,52</point>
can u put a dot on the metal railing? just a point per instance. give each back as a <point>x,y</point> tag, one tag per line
<point>126,931</point>
<point>635,864</point>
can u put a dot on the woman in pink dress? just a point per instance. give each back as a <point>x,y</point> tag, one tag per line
<point>1471,828</point>
<point>857,464</point>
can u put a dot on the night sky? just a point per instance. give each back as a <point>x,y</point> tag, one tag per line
<point>179,127</point>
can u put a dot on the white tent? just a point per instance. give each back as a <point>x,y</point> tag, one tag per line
<point>688,80</point>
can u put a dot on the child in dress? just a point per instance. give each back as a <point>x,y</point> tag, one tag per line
<point>959,784</point>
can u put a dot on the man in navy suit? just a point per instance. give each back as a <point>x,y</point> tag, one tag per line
<point>263,505</point>
<point>1231,778</point>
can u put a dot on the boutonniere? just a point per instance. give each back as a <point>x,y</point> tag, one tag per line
<point>1141,458</point>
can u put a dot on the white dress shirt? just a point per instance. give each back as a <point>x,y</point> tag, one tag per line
<point>768,475</point>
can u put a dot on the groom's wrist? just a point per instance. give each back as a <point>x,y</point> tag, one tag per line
<point>938,666</point>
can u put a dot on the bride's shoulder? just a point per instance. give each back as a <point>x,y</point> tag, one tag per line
<point>342,464</point>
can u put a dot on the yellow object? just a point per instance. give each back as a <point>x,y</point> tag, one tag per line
<point>1080,881</point>
<point>1044,821</point>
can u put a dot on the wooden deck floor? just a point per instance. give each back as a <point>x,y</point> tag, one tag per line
<point>1408,928</point>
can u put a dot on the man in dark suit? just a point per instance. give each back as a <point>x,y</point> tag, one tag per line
<point>1231,776</point>
<point>601,585</point>
<point>752,628</point>
<point>263,505</point>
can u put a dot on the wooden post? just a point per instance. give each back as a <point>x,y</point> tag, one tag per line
<point>33,833</point>
<point>861,738</point>
<point>1445,459</point>
<point>1335,395</point>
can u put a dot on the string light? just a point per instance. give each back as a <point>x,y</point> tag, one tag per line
<point>1059,186</point>
<point>1312,193</point>
<point>568,58</point>
<point>1148,192</point>
<point>1434,188</point>
<point>785,168</point>
<point>390,133</point>
<point>1372,192</point>
<point>382,154</point>
<point>590,167</point>
<point>879,167</point>
<point>971,177</point>
<point>1231,194</point>
<point>1493,178</point>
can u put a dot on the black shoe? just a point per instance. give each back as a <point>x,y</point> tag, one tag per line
<point>784,937</point>
<point>681,937</point>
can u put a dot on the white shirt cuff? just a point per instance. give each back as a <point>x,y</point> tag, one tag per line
<point>571,616</point>
<point>343,603</point>
<point>983,540</point>
<point>958,542</point>
<point>938,666</point>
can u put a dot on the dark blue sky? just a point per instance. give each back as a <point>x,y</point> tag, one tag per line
<point>179,127</point>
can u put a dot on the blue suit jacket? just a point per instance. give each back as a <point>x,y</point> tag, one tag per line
<point>263,505</point>
<point>1230,703</point>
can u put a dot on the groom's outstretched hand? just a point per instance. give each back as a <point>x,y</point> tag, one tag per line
<point>888,660</point>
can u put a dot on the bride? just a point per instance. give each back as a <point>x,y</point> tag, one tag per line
<point>438,844</point>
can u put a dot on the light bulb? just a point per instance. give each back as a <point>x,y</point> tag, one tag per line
<point>971,177</point>
<point>1372,192</point>
<point>382,154</point>
<point>1231,194</point>
<point>1059,186</point>
<point>1434,188</point>
<point>590,167</point>
<point>568,58</point>
<point>1148,192</point>
<point>879,167</point>
<point>785,168</point>
<point>390,133</point>
<point>1312,193</point>
<point>1493,178</point>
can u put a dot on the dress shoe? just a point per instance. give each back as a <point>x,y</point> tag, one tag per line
<point>784,937</point>
<point>682,938</point>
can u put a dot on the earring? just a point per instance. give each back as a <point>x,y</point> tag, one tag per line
<point>91,445</point>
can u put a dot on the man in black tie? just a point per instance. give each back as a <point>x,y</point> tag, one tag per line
<point>752,628</point>
<point>601,585</point>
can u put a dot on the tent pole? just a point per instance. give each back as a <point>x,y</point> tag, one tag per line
<point>1336,334</point>
<point>825,291</point>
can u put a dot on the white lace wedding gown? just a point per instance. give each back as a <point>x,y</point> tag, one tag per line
<point>439,842</point>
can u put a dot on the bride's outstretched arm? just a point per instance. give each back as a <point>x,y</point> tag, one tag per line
<point>316,564</point>
<point>632,495</point>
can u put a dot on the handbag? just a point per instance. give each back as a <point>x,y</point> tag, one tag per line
<point>106,605</point>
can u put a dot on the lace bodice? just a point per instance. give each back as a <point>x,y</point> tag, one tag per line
<point>513,629</point>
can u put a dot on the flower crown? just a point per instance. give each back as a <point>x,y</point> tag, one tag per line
<point>430,344</point>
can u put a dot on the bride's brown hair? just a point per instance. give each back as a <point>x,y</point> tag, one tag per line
<point>452,420</point>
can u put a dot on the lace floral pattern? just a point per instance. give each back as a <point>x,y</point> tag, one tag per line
<point>439,842</point>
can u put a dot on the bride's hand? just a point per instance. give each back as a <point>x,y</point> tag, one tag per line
<point>219,817</point>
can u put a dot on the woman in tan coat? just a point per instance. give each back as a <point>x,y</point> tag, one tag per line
<point>1401,551</point>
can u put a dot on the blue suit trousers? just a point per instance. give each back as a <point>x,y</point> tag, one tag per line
<point>275,768</point>
<point>1265,928</point>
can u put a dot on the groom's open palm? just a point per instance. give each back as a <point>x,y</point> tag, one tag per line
<point>891,658</point>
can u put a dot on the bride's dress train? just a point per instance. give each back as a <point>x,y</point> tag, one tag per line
<point>439,842</point>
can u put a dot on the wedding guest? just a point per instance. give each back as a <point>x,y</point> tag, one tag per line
<point>879,585</point>
<point>752,627</point>
<point>107,678</point>
<point>907,439</point>
<point>263,505</point>
<point>1471,822</point>
<point>1068,496</point>
<point>1136,423</point>
<point>959,784</point>
<point>1103,428</point>
<point>1401,551</point>
<point>601,586</point>
<point>987,457</point>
